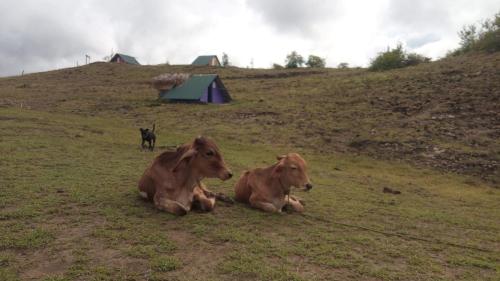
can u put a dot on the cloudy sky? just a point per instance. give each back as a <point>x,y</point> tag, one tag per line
<point>40,35</point>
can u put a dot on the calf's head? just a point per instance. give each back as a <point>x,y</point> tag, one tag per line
<point>204,157</point>
<point>292,171</point>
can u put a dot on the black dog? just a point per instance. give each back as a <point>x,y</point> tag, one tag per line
<point>148,136</point>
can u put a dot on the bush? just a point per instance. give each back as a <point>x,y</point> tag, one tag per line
<point>489,36</point>
<point>396,58</point>
<point>343,65</point>
<point>414,59</point>
<point>315,61</point>
<point>389,59</point>
<point>277,66</point>
<point>486,37</point>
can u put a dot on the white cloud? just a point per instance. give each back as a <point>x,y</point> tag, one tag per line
<point>47,34</point>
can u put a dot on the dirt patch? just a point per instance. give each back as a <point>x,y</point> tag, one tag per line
<point>43,263</point>
<point>248,115</point>
<point>58,258</point>
<point>483,165</point>
<point>100,255</point>
<point>192,253</point>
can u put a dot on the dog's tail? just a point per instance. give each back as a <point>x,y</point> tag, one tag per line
<point>154,127</point>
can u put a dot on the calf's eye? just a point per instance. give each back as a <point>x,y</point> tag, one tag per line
<point>209,153</point>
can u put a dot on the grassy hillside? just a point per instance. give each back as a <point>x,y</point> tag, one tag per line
<point>69,208</point>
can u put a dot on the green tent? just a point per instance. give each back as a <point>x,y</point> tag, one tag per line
<point>204,88</point>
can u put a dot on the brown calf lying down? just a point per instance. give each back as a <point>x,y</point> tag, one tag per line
<point>268,188</point>
<point>173,181</point>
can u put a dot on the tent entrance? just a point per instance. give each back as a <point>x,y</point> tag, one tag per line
<point>209,98</point>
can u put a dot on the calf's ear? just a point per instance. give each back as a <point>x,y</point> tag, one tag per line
<point>199,140</point>
<point>185,157</point>
<point>279,157</point>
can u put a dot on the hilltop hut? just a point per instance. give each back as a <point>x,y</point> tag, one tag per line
<point>121,58</point>
<point>204,88</point>
<point>211,60</point>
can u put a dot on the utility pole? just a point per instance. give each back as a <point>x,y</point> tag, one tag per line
<point>87,59</point>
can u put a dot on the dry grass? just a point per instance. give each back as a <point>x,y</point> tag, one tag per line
<point>70,161</point>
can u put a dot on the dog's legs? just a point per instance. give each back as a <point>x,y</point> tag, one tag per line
<point>150,144</point>
<point>143,144</point>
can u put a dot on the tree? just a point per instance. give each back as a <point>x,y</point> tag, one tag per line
<point>225,60</point>
<point>294,60</point>
<point>343,65</point>
<point>315,61</point>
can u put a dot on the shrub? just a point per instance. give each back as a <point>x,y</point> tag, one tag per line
<point>486,37</point>
<point>389,59</point>
<point>489,37</point>
<point>277,66</point>
<point>414,59</point>
<point>315,61</point>
<point>343,65</point>
<point>396,58</point>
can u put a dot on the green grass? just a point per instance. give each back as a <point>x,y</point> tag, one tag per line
<point>69,208</point>
<point>78,194</point>
<point>165,264</point>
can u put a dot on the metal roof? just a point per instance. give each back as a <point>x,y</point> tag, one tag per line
<point>204,60</point>
<point>127,59</point>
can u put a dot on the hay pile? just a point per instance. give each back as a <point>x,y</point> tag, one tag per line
<point>167,81</point>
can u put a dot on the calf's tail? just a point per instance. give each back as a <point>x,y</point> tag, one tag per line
<point>224,198</point>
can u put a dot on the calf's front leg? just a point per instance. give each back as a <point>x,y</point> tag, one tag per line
<point>203,199</point>
<point>265,206</point>
<point>294,203</point>
<point>171,206</point>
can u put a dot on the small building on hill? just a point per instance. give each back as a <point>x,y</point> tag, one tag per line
<point>204,88</point>
<point>121,58</point>
<point>207,60</point>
